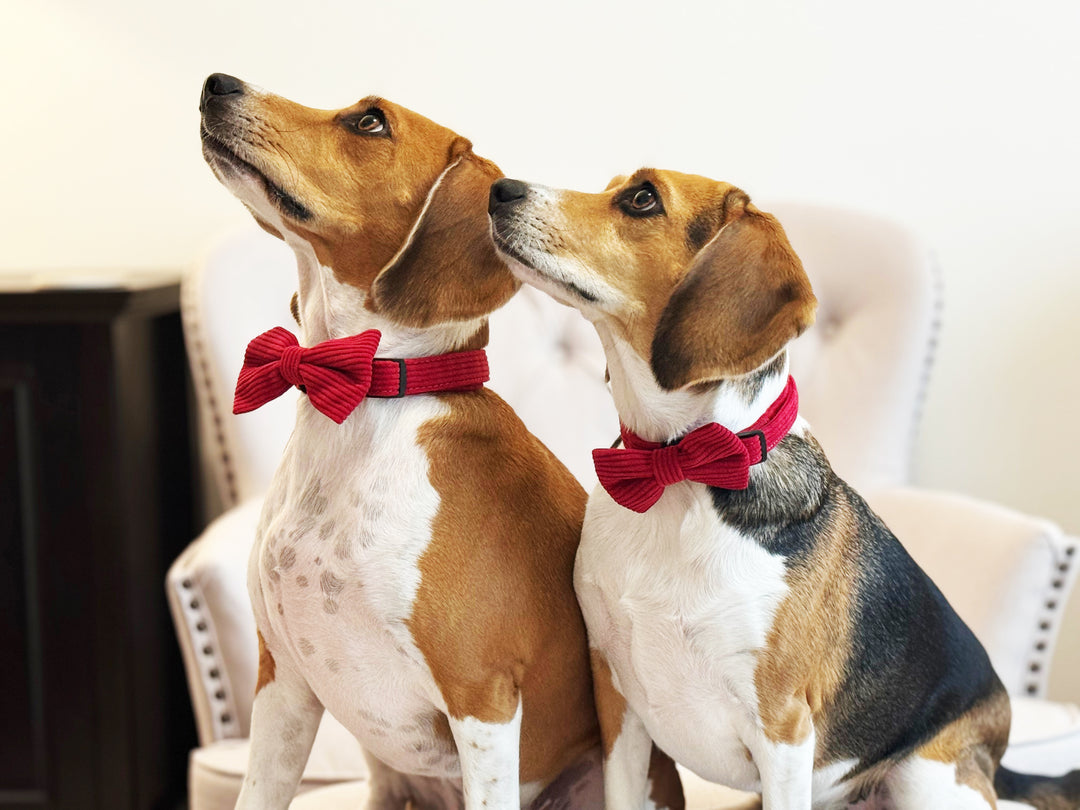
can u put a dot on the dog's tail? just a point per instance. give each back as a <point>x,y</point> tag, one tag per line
<point>1041,792</point>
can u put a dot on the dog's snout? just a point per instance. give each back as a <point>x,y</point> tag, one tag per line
<point>220,84</point>
<point>506,191</point>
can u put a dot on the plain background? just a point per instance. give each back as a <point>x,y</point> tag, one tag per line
<point>957,118</point>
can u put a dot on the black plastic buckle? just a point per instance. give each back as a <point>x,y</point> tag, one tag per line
<point>402,377</point>
<point>746,434</point>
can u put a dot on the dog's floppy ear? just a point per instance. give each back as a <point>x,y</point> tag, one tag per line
<point>617,180</point>
<point>448,270</point>
<point>744,297</point>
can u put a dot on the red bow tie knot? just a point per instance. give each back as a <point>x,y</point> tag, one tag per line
<point>335,374</point>
<point>637,475</point>
<point>666,468</point>
<point>290,365</point>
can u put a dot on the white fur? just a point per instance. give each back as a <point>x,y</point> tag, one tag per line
<point>626,771</point>
<point>787,773</point>
<point>489,761</point>
<point>918,784</point>
<point>531,237</point>
<point>287,714</point>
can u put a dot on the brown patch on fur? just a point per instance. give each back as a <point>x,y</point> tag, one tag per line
<point>267,667</point>
<point>449,270</point>
<point>743,299</point>
<point>975,742</point>
<point>665,786</point>
<point>610,704</point>
<point>294,307</point>
<point>495,614</point>
<point>803,662</point>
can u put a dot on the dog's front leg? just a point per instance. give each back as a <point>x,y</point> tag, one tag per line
<point>284,719</point>
<point>787,771</point>
<point>627,744</point>
<point>489,754</point>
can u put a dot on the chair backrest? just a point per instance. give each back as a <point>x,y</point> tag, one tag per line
<point>861,369</point>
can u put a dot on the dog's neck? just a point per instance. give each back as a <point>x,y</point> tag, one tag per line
<point>330,309</point>
<point>658,415</point>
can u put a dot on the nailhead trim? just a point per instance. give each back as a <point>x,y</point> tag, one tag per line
<point>1038,664</point>
<point>202,639</point>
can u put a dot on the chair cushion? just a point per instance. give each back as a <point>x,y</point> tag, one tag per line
<point>216,771</point>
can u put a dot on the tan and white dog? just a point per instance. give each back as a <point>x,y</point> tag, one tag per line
<point>413,567</point>
<point>775,638</point>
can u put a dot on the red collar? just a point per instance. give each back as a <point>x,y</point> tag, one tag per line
<point>636,476</point>
<point>337,374</point>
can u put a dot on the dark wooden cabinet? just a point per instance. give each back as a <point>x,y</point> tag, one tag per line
<point>96,500</point>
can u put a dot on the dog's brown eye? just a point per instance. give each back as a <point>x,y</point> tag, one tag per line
<point>371,122</point>
<point>643,200</point>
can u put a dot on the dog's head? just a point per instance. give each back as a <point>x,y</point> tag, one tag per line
<point>392,203</point>
<point>694,277</point>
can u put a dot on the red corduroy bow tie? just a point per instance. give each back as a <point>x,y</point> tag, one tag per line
<point>337,374</point>
<point>635,476</point>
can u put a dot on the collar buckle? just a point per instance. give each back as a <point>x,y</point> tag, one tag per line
<point>760,434</point>
<point>403,377</point>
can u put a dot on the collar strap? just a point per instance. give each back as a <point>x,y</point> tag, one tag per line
<point>457,371</point>
<point>636,476</point>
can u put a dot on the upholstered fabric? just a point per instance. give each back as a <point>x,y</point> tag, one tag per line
<point>861,372</point>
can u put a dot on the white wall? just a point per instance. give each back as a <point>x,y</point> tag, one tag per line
<point>959,118</point>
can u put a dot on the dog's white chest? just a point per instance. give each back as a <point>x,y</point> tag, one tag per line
<point>680,604</point>
<point>335,571</point>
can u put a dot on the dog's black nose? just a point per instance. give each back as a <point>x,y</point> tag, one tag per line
<point>220,84</point>
<point>506,191</point>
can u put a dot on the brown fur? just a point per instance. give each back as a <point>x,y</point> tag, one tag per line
<point>497,578</point>
<point>267,667</point>
<point>610,704</point>
<point>802,664</point>
<point>743,299</point>
<point>449,267</point>
<point>975,741</point>
<point>665,786</point>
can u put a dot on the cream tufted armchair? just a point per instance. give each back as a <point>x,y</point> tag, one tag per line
<point>862,372</point>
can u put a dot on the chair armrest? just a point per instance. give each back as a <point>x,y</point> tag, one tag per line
<point>1008,575</point>
<point>211,610</point>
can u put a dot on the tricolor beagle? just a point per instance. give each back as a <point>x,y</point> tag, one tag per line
<point>763,627</point>
<point>412,571</point>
